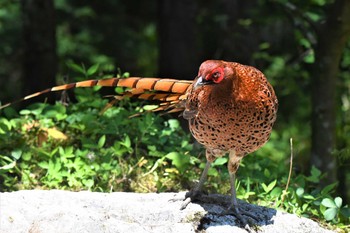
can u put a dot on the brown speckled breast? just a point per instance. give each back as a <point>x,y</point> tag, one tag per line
<point>236,114</point>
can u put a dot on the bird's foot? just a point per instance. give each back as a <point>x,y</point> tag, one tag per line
<point>243,216</point>
<point>191,196</point>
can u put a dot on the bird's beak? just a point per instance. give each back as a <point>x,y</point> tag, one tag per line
<point>201,82</point>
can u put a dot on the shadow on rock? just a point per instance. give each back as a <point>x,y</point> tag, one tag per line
<point>216,204</point>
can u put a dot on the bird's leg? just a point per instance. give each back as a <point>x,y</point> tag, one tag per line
<point>234,207</point>
<point>203,178</point>
<point>234,202</point>
<point>190,196</point>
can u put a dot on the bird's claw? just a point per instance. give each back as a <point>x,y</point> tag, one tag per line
<point>190,197</point>
<point>185,203</point>
<point>242,215</point>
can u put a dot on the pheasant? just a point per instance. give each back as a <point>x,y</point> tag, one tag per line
<point>230,107</point>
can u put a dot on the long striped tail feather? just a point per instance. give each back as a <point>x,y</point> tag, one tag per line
<point>169,102</point>
<point>170,92</point>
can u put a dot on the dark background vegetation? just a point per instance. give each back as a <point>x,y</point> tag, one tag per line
<point>303,47</point>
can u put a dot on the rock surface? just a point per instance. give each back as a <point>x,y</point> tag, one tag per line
<point>39,211</point>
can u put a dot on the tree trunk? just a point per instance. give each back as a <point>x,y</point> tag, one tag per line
<point>230,46</point>
<point>39,57</point>
<point>178,57</point>
<point>332,38</point>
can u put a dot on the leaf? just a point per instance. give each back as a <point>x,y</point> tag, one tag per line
<point>25,112</point>
<point>3,130</point>
<point>76,67</point>
<point>127,142</point>
<point>27,156</point>
<point>126,75</point>
<point>309,58</point>
<point>327,202</point>
<point>101,141</point>
<point>330,214</point>
<point>88,183</point>
<point>315,172</point>
<point>272,184</point>
<point>43,164</point>
<point>93,69</point>
<point>304,206</point>
<point>5,125</point>
<point>178,160</point>
<point>66,152</point>
<point>213,172</point>
<point>56,134</point>
<point>119,90</point>
<point>150,107</point>
<point>338,202</point>
<point>174,124</point>
<point>172,170</point>
<point>268,188</point>
<point>276,192</point>
<point>345,212</point>
<point>267,173</point>
<point>328,188</point>
<point>300,191</point>
<point>309,197</point>
<point>315,175</point>
<point>16,154</point>
<point>220,161</point>
<point>8,166</point>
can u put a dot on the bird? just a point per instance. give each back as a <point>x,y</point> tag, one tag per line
<point>230,107</point>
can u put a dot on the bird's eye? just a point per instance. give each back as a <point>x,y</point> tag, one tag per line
<point>217,75</point>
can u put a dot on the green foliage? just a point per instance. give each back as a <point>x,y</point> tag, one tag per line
<point>76,147</point>
<point>305,197</point>
<point>10,39</point>
<point>334,209</point>
<point>106,33</point>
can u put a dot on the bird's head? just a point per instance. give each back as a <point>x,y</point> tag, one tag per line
<point>211,72</point>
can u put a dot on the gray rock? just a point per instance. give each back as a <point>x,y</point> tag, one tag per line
<point>39,211</point>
